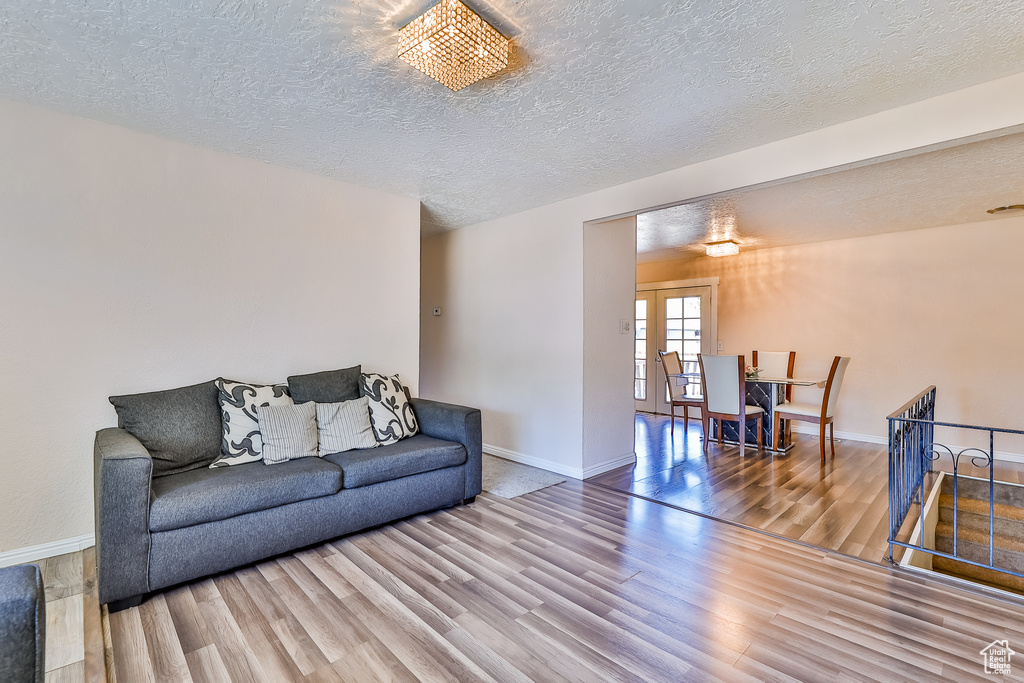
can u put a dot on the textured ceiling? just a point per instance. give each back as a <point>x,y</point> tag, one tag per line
<point>947,187</point>
<point>598,92</point>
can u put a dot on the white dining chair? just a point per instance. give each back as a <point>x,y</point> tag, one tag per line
<point>677,389</point>
<point>823,414</point>
<point>723,380</point>
<point>775,364</point>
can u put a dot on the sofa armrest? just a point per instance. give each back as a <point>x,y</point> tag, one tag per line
<point>455,423</point>
<point>22,624</point>
<point>123,472</point>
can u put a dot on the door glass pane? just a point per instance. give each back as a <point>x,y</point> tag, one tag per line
<point>691,306</point>
<point>691,343</point>
<point>673,331</point>
<point>640,354</point>
<point>674,307</point>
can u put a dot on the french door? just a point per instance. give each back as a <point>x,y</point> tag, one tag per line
<point>671,320</point>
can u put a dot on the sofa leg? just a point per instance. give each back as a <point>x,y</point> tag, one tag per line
<point>126,603</point>
<point>469,500</point>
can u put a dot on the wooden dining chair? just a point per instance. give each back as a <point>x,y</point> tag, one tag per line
<point>822,415</point>
<point>676,391</point>
<point>776,364</point>
<point>723,380</point>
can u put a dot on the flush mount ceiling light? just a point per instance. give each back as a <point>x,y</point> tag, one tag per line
<point>1011,207</point>
<point>723,248</point>
<point>453,45</point>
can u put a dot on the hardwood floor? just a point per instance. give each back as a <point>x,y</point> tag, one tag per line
<point>841,505</point>
<point>74,642</point>
<point>571,583</point>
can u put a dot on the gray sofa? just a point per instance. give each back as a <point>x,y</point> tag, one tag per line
<point>22,624</point>
<point>155,530</point>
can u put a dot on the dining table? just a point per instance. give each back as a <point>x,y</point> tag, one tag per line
<point>767,392</point>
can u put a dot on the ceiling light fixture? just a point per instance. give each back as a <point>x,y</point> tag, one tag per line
<point>453,45</point>
<point>723,248</point>
<point>1011,207</point>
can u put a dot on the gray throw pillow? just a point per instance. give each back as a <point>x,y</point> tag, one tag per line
<point>391,412</point>
<point>344,426</point>
<point>289,432</point>
<point>331,386</point>
<point>181,428</point>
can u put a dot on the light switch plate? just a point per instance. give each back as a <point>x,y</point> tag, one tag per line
<point>625,326</point>
<point>721,344</point>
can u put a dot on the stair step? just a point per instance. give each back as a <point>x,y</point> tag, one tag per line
<point>966,521</point>
<point>1005,493</point>
<point>978,574</point>
<point>979,507</point>
<point>973,545</point>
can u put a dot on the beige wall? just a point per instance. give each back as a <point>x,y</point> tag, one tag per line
<point>608,353</point>
<point>130,263</point>
<point>940,306</point>
<point>511,339</point>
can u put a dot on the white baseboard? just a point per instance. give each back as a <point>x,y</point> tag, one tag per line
<point>601,468</point>
<point>34,553</point>
<point>558,468</point>
<point>540,463</point>
<point>804,428</point>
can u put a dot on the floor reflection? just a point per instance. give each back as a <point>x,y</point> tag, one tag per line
<point>839,505</point>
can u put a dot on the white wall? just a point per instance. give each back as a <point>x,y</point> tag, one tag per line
<point>938,306</point>
<point>510,340</point>
<point>130,263</point>
<point>512,288</point>
<point>609,278</point>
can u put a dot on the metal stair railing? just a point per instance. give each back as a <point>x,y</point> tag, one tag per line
<point>913,454</point>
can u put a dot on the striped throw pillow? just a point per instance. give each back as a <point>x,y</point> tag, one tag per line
<point>344,426</point>
<point>289,432</point>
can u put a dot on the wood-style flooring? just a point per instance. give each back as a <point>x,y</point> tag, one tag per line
<point>840,505</point>
<point>571,583</point>
<point>74,641</point>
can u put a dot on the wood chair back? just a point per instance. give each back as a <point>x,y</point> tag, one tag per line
<point>671,364</point>
<point>832,386</point>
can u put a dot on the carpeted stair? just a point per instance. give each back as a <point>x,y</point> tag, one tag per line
<point>973,531</point>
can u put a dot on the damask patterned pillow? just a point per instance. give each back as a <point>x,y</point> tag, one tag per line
<point>391,412</point>
<point>242,441</point>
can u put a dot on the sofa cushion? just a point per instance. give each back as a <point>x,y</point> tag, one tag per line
<point>331,386</point>
<point>239,401</point>
<point>289,432</point>
<point>181,428</point>
<point>208,495</point>
<point>391,412</point>
<point>415,455</point>
<point>344,426</point>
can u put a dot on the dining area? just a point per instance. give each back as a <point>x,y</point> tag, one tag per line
<point>729,393</point>
<point>747,433</point>
<point>752,442</point>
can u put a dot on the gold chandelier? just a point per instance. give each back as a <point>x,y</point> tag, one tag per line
<point>453,45</point>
